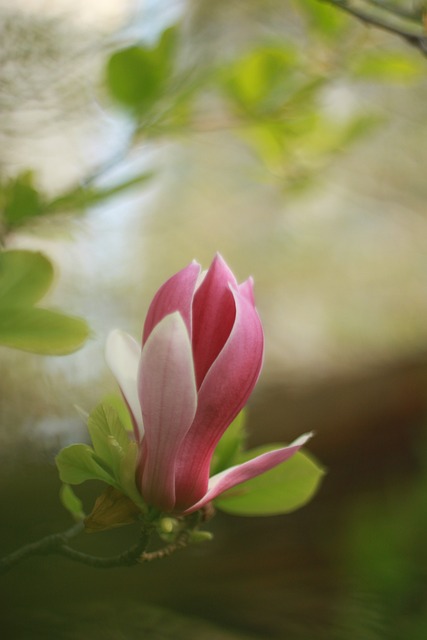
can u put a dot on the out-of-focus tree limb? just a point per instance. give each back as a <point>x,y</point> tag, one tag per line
<point>411,26</point>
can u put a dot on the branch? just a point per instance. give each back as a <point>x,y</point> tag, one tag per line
<point>388,19</point>
<point>137,554</point>
<point>57,544</point>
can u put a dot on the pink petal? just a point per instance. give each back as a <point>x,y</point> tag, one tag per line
<point>213,316</point>
<point>168,396</point>
<point>176,294</point>
<point>122,354</point>
<point>224,392</point>
<point>247,289</point>
<point>241,473</point>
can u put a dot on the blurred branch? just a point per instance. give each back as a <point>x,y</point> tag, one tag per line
<point>411,26</point>
<point>137,554</point>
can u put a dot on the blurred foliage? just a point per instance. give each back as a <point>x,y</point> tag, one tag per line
<point>270,95</point>
<point>385,552</point>
<point>25,277</point>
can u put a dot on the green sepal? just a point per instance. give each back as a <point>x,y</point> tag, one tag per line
<point>281,490</point>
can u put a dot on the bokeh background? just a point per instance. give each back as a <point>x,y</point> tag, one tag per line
<point>292,139</point>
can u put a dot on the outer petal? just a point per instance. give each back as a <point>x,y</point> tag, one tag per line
<point>167,391</point>
<point>224,392</point>
<point>247,289</point>
<point>122,354</point>
<point>214,313</point>
<point>176,294</point>
<point>240,473</point>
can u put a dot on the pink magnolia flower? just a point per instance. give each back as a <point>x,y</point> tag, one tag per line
<point>202,351</point>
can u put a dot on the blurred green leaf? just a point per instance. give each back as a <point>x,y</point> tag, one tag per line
<point>285,488</point>
<point>78,463</point>
<point>41,330</point>
<point>20,200</point>
<point>83,197</point>
<point>261,80</point>
<point>25,276</point>
<point>230,445</point>
<point>390,66</point>
<point>71,502</point>
<point>322,18</point>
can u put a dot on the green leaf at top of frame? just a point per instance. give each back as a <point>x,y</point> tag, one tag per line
<point>281,490</point>
<point>323,18</point>
<point>25,277</point>
<point>136,76</point>
<point>41,330</point>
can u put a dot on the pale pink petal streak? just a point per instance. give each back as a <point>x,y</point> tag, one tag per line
<point>122,354</point>
<point>167,390</point>
<point>176,294</point>
<point>241,473</point>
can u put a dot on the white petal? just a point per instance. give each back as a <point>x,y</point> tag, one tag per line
<point>123,354</point>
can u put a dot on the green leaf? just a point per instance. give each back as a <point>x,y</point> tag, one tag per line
<point>389,66</point>
<point>71,502</point>
<point>230,445</point>
<point>25,276</point>
<point>110,439</point>
<point>21,200</point>
<point>324,19</point>
<point>119,405</point>
<point>261,80</point>
<point>283,489</point>
<point>126,476</point>
<point>83,197</point>
<point>135,78</point>
<point>41,330</point>
<point>78,463</point>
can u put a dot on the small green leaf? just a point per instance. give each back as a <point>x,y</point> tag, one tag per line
<point>25,276</point>
<point>283,489</point>
<point>71,502</point>
<point>77,463</point>
<point>119,405</point>
<point>230,445</point>
<point>110,439</point>
<point>41,330</point>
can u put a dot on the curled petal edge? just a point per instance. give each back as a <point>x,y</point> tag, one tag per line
<point>238,474</point>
